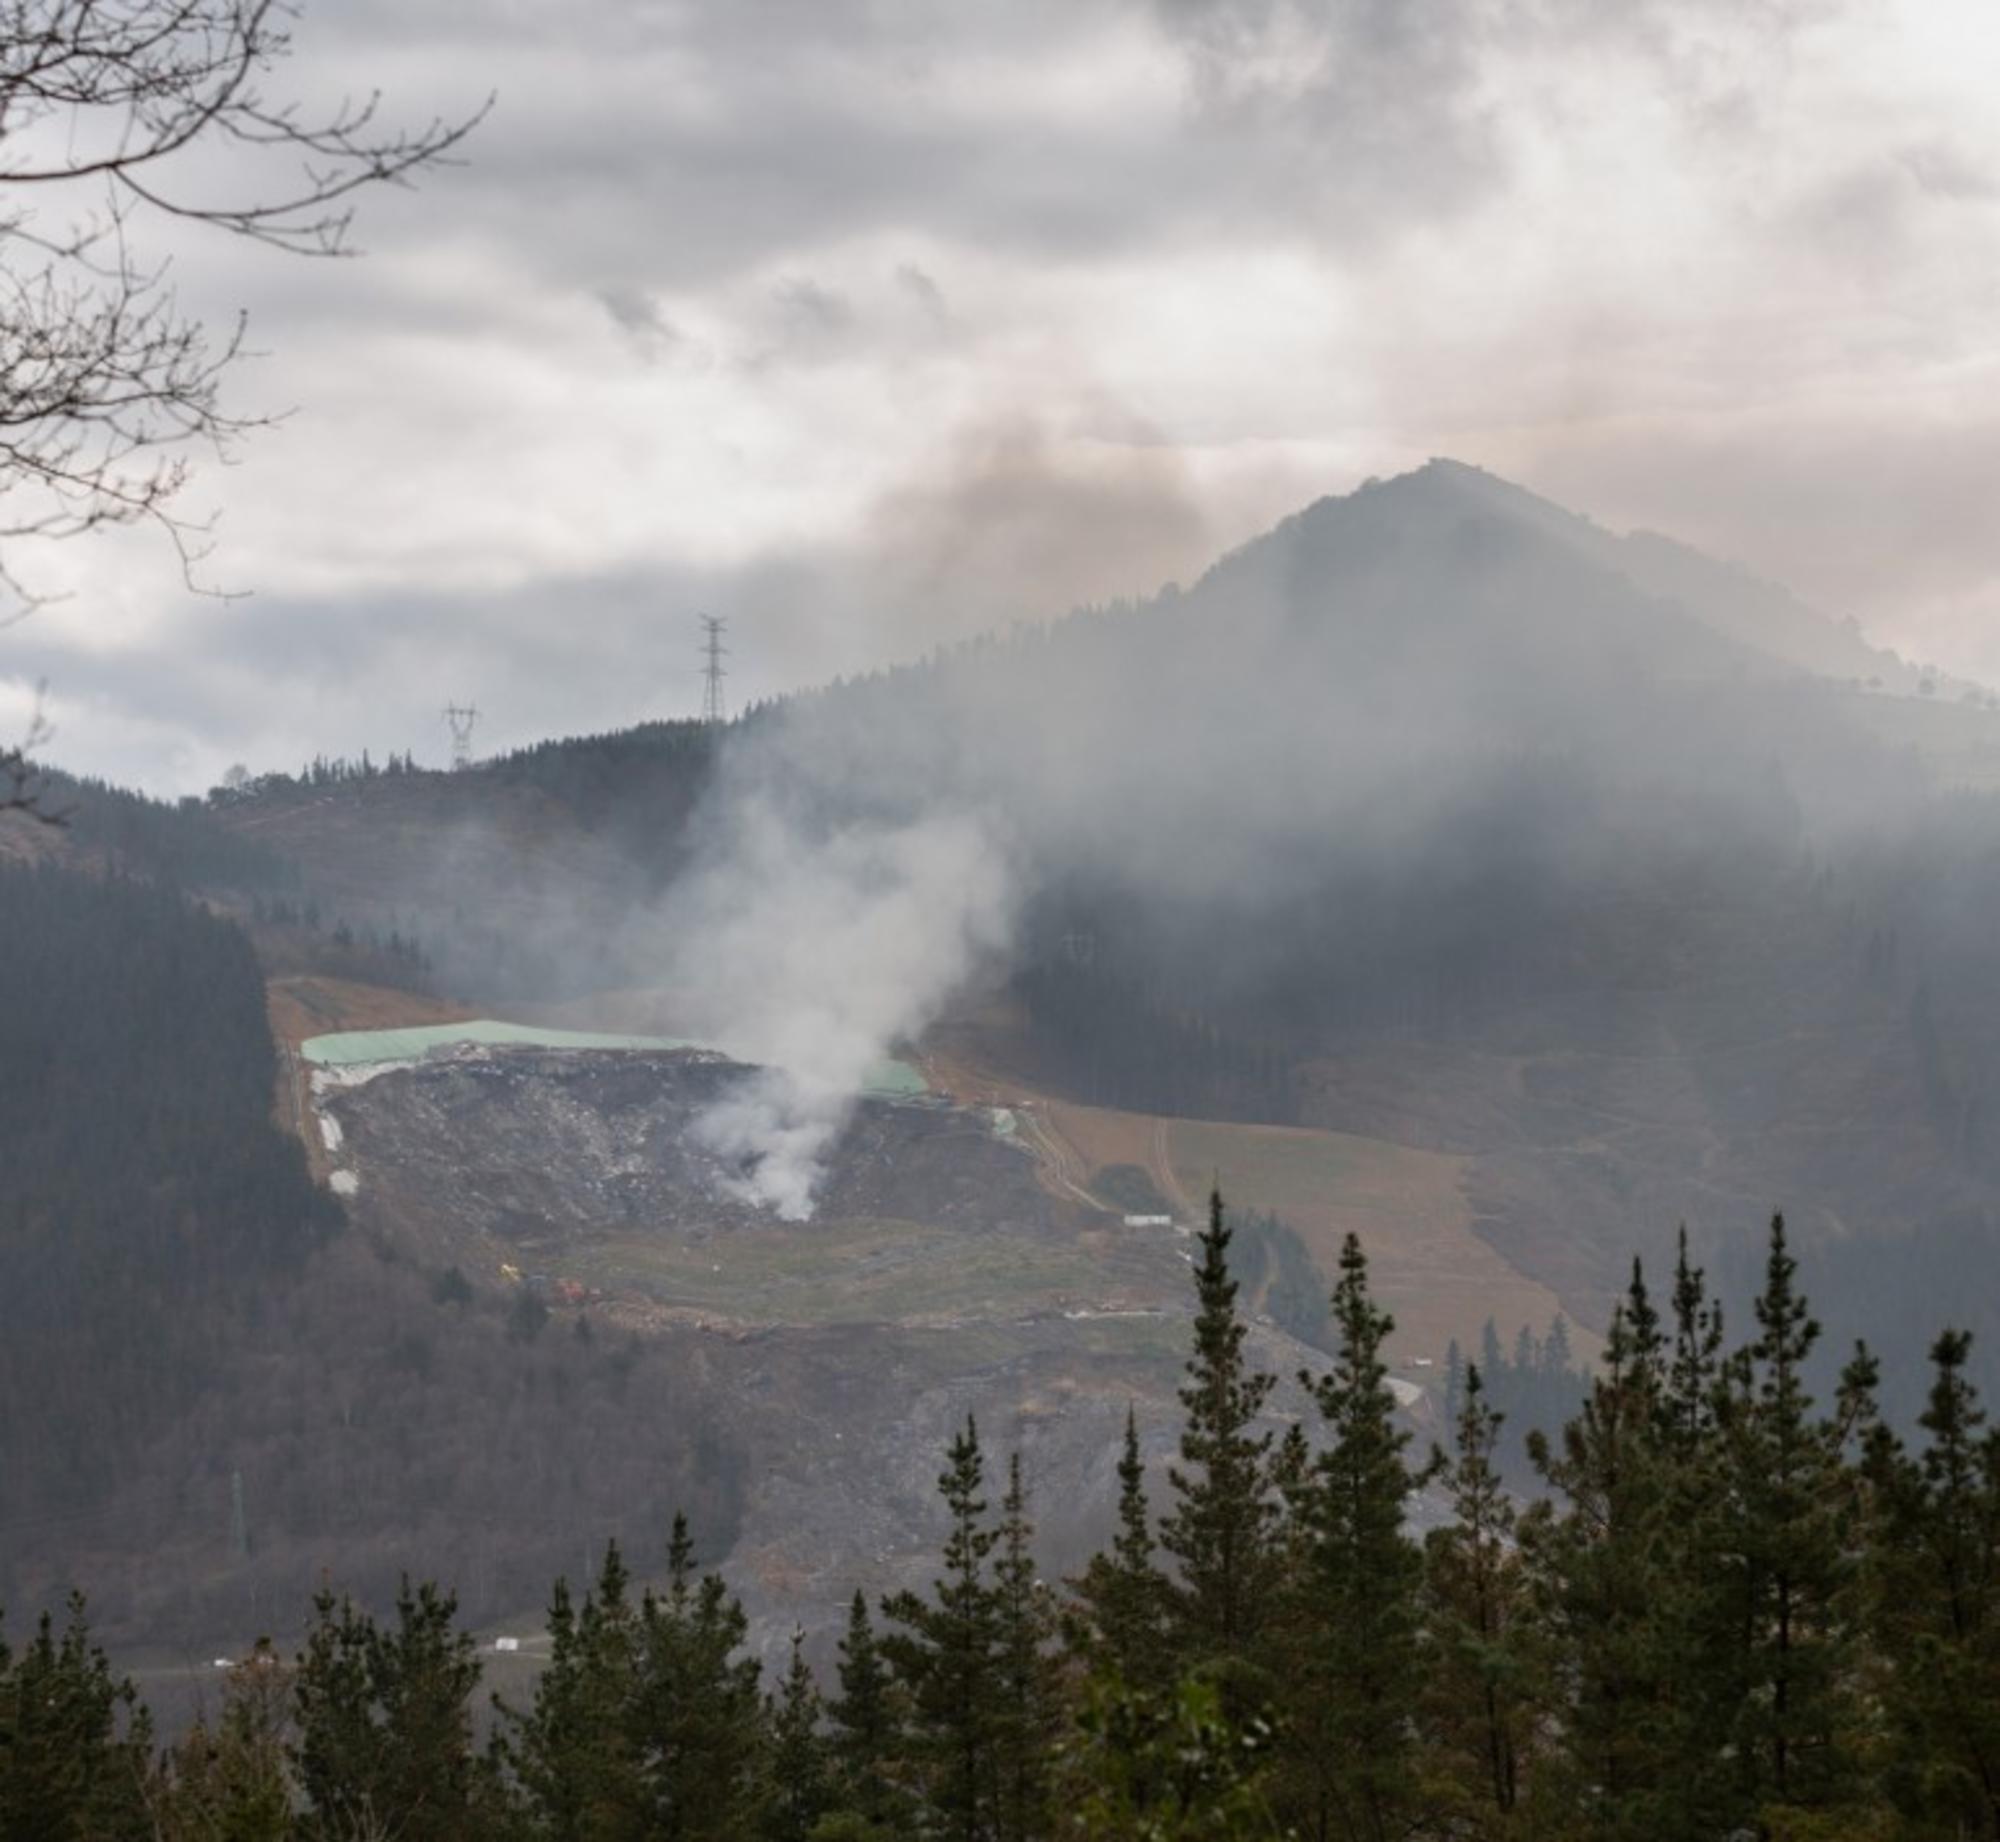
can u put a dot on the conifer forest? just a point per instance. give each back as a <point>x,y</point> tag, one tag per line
<point>1733,1609</point>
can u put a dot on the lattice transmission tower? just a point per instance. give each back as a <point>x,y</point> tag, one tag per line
<point>459,719</point>
<point>713,651</point>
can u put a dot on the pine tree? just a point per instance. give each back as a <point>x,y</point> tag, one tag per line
<point>335,1744</point>
<point>1599,1571</point>
<point>231,1783</point>
<point>383,1718</point>
<point>698,1710</point>
<point>1935,1567</point>
<point>1694,1630</point>
<point>424,1673</point>
<point>574,1757</point>
<point>943,1655</point>
<point>1348,1647</point>
<point>1122,1596</point>
<point>868,1728</point>
<point>1481,1697</point>
<point>1220,1530</point>
<point>75,1745</point>
<point>1027,1712</point>
<point>1454,1382</point>
<point>800,1789</point>
<point>1694,1373</point>
<point>1790,1558</point>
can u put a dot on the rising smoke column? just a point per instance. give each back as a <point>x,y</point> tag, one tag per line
<point>810,949</point>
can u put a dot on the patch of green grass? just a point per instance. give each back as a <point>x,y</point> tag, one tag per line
<point>849,1272</point>
<point>1295,1173</point>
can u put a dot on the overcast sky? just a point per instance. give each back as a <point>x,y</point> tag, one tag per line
<point>869,323</point>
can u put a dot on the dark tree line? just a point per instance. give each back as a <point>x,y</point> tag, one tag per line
<point>1535,1386</point>
<point>400,943</point>
<point>1736,1611</point>
<point>144,1176</point>
<point>180,842</point>
<point>1274,1267</point>
<point>182,1317</point>
<point>1107,1038</point>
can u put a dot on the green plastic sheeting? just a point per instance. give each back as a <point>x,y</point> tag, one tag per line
<point>359,1048</point>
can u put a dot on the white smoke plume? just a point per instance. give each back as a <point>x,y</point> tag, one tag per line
<point>811,953</point>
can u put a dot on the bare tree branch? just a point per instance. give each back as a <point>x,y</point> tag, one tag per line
<point>21,784</point>
<point>105,385</point>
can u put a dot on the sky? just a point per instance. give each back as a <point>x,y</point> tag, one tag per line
<point>869,324</point>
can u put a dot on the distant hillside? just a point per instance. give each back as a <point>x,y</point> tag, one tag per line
<point>180,842</point>
<point>1438,810</point>
<point>506,875</point>
<point>1438,813</point>
<point>1580,856</point>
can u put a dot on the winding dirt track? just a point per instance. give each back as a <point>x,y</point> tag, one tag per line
<point>1058,1163</point>
<point>1160,1167</point>
<point>1065,1138</point>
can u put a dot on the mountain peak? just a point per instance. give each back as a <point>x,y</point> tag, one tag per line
<point>1724,596</point>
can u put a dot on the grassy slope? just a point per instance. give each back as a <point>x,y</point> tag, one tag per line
<point>1437,1275</point>
<point>1409,1208</point>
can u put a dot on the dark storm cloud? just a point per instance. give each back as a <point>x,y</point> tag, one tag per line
<point>703,141</point>
<point>1375,100</point>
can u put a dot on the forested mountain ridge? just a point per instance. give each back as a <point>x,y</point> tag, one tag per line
<point>1437,812</point>
<point>1759,614</point>
<point>1472,818</point>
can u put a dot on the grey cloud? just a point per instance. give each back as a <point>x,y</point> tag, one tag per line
<point>821,119</point>
<point>922,288</point>
<point>818,122</point>
<point>1948,171</point>
<point>811,305</point>
<point>638,315</point>
<point>824,122</point>
<point>1389,110</point>
<point>1877,208</point>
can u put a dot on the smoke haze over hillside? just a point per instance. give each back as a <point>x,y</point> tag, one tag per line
<point>1435,693</point>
